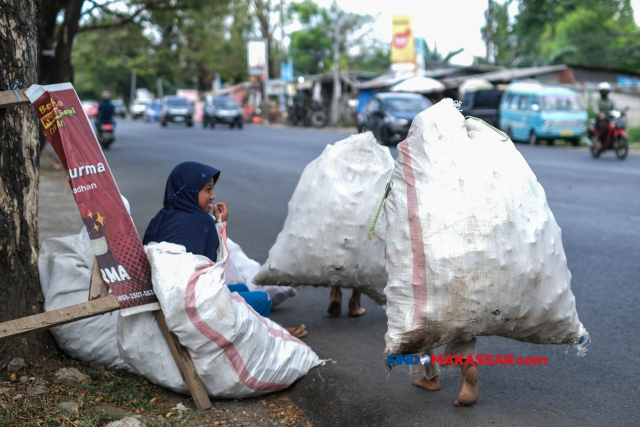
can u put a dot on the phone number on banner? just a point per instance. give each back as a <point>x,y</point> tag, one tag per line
<point>135,295</point>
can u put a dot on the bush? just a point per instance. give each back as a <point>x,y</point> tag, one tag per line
<point>634,134</point>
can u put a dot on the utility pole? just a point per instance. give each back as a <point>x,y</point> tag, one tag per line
<point>337,86</point>
<point>159,84</point>
<point>488,31</point>
<point>132,93</point>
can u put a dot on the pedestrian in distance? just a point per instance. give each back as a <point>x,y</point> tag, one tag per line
<point>185,220</point>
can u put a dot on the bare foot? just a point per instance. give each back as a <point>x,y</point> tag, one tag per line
<point>335,306</point>
<point>354,305</point>
<point>469,390</point>
<point>298,332</point>
<point>432,384</point>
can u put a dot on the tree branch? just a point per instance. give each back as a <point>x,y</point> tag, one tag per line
<point>126,19</point>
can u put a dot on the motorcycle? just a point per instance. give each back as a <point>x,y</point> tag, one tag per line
<point>608,133</point>
<point>105,134</point>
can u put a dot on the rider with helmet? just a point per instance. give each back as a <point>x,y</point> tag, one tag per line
<point>604,103</point>
<point>105,110</point>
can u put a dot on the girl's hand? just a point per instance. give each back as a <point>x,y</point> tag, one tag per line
<point>220,212</point>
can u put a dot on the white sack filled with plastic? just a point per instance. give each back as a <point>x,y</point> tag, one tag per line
<point>237,352</point>
<point>65,265</point>
<point>242,269</point>
<point>324,238</point>
<point>472,246</point>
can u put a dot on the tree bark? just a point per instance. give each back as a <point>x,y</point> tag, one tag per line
<point>20,292</point>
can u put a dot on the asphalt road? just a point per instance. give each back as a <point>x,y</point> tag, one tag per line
<point>596,202</point>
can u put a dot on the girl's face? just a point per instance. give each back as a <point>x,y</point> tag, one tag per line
<point>206,196</point>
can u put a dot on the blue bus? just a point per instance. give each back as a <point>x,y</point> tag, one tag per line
<point>534,113</point>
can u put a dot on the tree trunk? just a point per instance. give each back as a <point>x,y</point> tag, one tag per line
<point>20,292</point>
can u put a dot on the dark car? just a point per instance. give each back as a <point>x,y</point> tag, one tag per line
<point>483,104</point>
<point>222,109</point>
<point>152,112</point>
<point>389,115</point>
<point>119,109</point>
<point>176,109</point>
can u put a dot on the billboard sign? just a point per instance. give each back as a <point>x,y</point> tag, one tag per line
<point>257,58</point>
<point>402,41</point>
<point>118,249</point>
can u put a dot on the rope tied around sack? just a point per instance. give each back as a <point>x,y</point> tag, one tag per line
<point>13,88</point>
<point>496,130</point>
<point>387,190</point>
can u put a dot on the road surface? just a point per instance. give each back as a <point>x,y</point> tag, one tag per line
<point>596,202</point>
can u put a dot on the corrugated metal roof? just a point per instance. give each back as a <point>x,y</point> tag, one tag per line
<point>507,75</point>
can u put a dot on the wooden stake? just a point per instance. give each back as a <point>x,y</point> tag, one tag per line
<point>185,365</point>
<point>8,98</point>
<point>42,321</point>
<point>99,287</point>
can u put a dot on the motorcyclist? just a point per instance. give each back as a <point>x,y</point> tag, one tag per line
<point>604,106</point>
<point>105,110</point>
<point>604,103</point>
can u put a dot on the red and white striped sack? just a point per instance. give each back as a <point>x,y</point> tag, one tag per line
<point>472,246</point>
<point>237,352</point>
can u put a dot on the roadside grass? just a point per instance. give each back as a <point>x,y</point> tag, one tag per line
<point>111,394</point>
<point>120,390</point>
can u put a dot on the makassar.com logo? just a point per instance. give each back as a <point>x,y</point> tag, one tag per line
<point>409,359</point>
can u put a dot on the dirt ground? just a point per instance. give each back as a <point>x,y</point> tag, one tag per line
<point>110,395</point>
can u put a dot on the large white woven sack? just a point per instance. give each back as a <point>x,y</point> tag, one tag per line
<point>237,352</point>
<point>324,239</point>
<point>65,265</point>
<point>472,246</point>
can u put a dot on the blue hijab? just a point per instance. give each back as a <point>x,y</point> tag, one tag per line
<point>181,220</point>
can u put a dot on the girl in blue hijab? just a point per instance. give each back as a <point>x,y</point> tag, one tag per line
<point>185,220</point>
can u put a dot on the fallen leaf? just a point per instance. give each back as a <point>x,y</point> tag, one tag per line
<point>169,414</point>
<point>98,399</point>
<point>153,400</point>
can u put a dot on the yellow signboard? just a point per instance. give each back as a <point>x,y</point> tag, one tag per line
<point>403,45</point>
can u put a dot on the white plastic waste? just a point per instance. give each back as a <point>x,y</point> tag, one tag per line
<point>237,352</point>
<point>324,239</point>
<point>242,269</point>
<point>472,246</point>
<point>65,265</point>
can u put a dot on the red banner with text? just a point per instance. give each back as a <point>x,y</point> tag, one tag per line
<point>118,249</point>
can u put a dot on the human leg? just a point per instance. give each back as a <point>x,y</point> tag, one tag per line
<point>335,305</point>
<point>259,301</point>
<point>430,373</point>
<point>354,304</point>
<point>239,287</point>
<point>469,389</point>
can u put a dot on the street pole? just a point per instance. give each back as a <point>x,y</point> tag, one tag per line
<point>132,94</point>
<point>265,97</point>
<point>337,92</point>
<point>159,84</point>
<point>489,30</point>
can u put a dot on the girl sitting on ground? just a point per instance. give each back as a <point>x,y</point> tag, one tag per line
<point>185,220</point>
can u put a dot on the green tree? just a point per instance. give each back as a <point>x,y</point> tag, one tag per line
<point>501,34</point>
<point>312,46</point>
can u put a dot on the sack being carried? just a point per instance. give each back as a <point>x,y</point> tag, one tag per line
<point>324,239</point>
<point>237,352</point>
<point>472,246</point>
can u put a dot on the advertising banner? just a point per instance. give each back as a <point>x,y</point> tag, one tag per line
<point>121,257</point>
<point>402,41</point>
<point>257,58</point>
